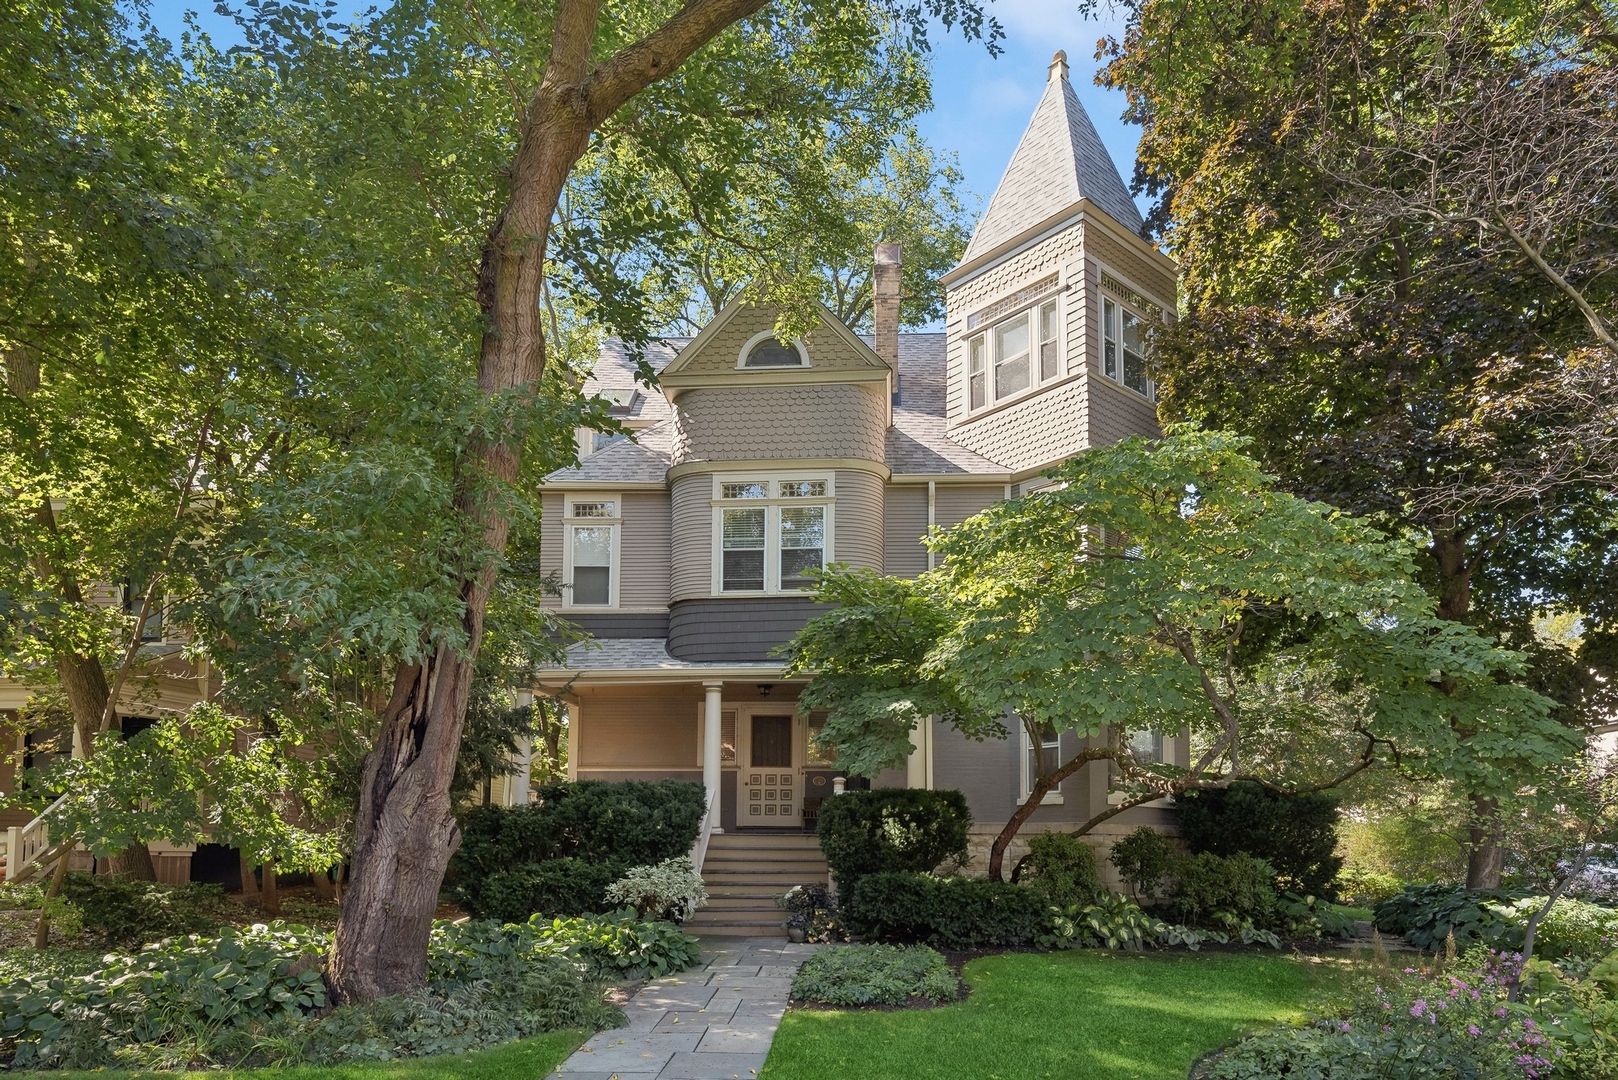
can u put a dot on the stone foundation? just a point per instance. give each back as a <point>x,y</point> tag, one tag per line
<point>1100,839</point>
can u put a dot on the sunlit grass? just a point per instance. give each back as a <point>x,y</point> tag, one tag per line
<point>1077,1015</point>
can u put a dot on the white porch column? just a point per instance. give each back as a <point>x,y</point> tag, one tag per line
<point>711,734</point>
<point>918,766</point>
<point>572,741</point>
<point>524,776</point>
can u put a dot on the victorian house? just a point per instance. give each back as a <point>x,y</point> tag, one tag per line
<point>684,549</point>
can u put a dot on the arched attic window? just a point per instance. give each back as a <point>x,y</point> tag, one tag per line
<point>764,351</point>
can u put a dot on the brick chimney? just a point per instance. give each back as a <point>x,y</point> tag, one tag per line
<point>885,304</point>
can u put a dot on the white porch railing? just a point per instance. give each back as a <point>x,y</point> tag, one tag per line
<point>26,843</point>
<point>699,850</point>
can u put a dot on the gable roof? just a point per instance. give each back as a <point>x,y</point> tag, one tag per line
<point>832,346</point>
<point>1059,161</point>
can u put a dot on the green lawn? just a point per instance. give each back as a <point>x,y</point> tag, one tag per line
<point>1078,1015</point>
<point>528,1059</point>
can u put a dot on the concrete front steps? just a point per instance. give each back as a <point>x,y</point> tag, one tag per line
<point>745,871</point>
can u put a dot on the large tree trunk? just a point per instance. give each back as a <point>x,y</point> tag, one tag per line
<point>1484,859</point>
<point>405,831</point>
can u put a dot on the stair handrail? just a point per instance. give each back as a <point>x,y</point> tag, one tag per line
<point>25,843</point>
<point>699,849</point>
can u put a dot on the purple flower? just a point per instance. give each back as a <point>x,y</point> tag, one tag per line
<point>1473,1030</point>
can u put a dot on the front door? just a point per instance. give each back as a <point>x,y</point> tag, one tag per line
<point>768,792</point>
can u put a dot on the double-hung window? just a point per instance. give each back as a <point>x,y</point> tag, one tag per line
<point>1016,354</point>
<point>774,533</point>
<point>1125,315</point>
<point>1039,758</point>
<point>591,524</point>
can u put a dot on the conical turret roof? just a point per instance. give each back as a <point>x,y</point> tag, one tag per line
<point>1059,161</point>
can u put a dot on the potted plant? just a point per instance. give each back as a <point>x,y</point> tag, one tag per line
<point>802,902</point>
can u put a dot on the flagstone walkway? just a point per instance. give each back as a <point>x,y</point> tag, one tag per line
<point>714,1022</point>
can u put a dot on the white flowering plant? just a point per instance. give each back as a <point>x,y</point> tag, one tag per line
<point>671,889</point>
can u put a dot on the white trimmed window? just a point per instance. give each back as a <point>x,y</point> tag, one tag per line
<point>591,525</point>
<point>764,351</point>
<point>1014,356</point>
<point>1123,347</point>
<point>1047,751</point>
<point>774,532</point>
<point>1148,746</point>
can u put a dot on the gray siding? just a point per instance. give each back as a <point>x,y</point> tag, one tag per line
<point>644,560</point>
<point>649,624</point>
<point>736,629</point>
<point>989,774</point>
<point>691,560</point>
<point>857,525</point>
<point>550,541</point>
<point>954,503</point>
<point>904,523</point>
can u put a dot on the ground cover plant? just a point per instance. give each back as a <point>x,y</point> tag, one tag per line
<point>258,996</point>
<point>875,975</point>
<point>1484,1015</point>
<point>521,1060</point>
<point>1073,1014</point>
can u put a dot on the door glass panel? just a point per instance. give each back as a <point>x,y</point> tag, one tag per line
<point>772,742</point>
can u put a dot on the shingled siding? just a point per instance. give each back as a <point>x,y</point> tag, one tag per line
<point>1125,261</point>
<point>1046,427</point>
<point>832,420</point>
<point>721,352</point>
<point>736,629</point>
<point>904,523</point>
<point>691,561</point>
<point>637,624</point>
<point>857,520</point>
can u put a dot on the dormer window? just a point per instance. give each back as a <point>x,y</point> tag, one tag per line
<point>764,352</point>
<point>1014,356</point>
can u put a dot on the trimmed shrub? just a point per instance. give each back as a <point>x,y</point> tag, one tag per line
<point>139,912</point>
<point>875,975</point>
<point>1061,868</point>
<point>558,854</point>
<point>956,913</point>
<point>1295,834</point>
<point>892,829</point>
<point>1143,859</point>
<point>1227,891</point>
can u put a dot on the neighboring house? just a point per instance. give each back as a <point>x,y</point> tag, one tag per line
<point>685,552</point>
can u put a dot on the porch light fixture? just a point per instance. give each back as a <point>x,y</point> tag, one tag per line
<point>764,689</point>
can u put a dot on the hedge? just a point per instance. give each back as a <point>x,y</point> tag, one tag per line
<point>888,829</point>
<point>956,913</point>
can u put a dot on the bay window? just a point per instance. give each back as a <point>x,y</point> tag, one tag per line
<point>774,533</point>
<point>1014,355</point>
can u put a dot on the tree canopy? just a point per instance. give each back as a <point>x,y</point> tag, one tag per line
<point>1168,587</point>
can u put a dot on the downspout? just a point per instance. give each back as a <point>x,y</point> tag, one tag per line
<point>932,517</point>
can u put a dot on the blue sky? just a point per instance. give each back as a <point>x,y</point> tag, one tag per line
<point>982,103</point>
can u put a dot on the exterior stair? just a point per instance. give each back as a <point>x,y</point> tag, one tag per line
<point>744,872</point>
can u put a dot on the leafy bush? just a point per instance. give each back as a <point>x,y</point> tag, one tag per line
<point>138,912</point>
<point>1295,833</point>
<point>620,946</point>
<point>1365,888</point>
<point>875,975</point>
<point>892,829</point>
<point>1427,914</point>
<point>1574,928</point>
<point>175,992</point>
<point>1316,917</point>
<point>559,854</point>
<point>670,890</point>
<point>1143,859</point>
<point>1229,891</point>
<point>1443,1021</point>
<point>1119,923</point>
<point>1061,868</point>
<point>956,913</point>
